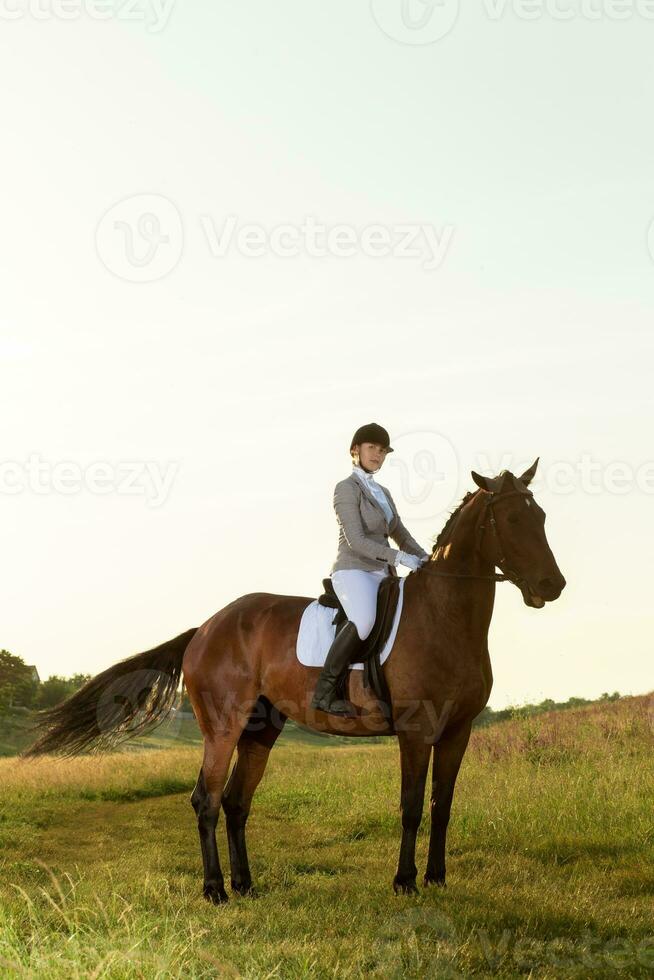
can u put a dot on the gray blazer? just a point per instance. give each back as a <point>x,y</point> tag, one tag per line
<point>363,529</point>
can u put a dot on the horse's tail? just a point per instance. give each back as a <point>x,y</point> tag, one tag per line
<point>132,697</point>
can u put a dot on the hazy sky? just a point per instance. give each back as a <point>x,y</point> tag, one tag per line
<point>233,233</point>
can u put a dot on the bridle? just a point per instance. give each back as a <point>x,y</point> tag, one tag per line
<point>509,574</point>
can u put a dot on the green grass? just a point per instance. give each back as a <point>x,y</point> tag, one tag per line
<point>550,862</point>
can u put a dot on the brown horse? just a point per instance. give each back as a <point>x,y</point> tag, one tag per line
<point>244,680</point>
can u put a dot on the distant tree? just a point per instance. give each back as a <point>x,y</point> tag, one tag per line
<point>78,680</point>
<point>485,717</point>
<point>517,711</point>
<point>18,684</point>
<point>57,689</point>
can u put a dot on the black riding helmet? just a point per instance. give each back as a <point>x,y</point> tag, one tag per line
<point>371,433</point>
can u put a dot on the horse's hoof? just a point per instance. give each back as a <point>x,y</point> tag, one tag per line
<point>215,894</point>
<point>433,880</point>
<point>407,887</point>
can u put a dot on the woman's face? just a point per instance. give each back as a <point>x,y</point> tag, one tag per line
<point>370,455</point>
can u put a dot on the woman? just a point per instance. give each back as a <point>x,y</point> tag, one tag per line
<point>366,515</point>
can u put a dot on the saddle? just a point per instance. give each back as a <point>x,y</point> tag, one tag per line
<point>373,675</point>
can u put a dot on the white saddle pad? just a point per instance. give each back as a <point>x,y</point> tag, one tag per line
<point>316,633</point>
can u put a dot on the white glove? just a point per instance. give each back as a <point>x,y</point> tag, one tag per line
<point>411,561</point>
<point>424,558</point>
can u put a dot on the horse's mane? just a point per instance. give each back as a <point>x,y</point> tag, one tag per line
<point>447,527</point>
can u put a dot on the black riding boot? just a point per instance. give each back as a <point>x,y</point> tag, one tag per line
<point>342,652</point>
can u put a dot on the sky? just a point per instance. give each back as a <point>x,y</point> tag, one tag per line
<point>232,234</point>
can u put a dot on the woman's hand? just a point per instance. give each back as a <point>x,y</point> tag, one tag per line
<point>411,561</point>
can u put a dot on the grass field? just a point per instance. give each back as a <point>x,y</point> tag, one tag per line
<point>550,870</point>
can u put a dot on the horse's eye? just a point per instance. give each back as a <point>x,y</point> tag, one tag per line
<point>513,519</point>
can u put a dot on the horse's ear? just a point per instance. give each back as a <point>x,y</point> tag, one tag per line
<point>528,475</point>
<point>481,481</point>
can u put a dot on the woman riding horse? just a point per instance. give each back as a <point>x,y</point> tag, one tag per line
<point>244,678</point>
<point>367,516</point>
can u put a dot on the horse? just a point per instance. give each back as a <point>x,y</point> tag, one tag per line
<point>244,681</point>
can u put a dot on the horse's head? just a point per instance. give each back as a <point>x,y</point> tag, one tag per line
<point>512,536</point>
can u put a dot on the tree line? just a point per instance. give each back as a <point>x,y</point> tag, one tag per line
<point>488,716</point>
<point>21,688</point>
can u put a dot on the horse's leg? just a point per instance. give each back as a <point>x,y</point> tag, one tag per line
<point>206,798</point>
<point>253,750</point>
<point>199,804</point>
<point>448,754</point>
<point>415,751</point>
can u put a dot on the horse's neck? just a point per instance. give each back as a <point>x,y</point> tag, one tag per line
<point>459,554</point>
<point>460,606</point>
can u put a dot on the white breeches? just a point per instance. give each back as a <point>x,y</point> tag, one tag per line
<point>357,592</point>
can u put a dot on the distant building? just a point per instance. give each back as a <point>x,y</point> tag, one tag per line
<point>35,673</point>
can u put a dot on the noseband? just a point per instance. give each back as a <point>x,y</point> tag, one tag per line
<point>509,574</point>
